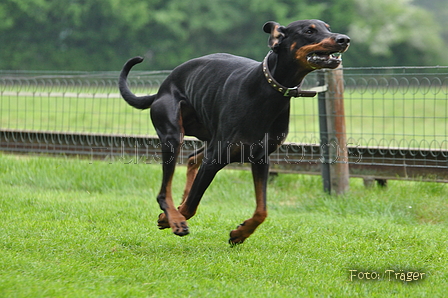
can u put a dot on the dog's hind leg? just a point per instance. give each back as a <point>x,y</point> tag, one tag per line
<point>260,172</point>
<point>167,120</point>
<point>193,164</point>
<point>211,164</point>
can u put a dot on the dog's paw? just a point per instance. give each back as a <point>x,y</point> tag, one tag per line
<point>237,237</point>
<point>162,222</point>
<point>180,228</point>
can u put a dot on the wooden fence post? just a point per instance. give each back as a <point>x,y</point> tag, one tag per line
<point>323,134</point>
<point>337,141</point>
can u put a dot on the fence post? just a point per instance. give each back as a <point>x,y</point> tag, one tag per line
<point>323,131</point>
<point>337,141</point>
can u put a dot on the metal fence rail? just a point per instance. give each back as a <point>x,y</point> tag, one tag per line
<point>396,120</point>
<point>367,163</point>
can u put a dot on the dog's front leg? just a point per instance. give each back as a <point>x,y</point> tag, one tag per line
<point>260,172</point>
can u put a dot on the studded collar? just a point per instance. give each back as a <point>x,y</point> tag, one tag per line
<point>287,92</point>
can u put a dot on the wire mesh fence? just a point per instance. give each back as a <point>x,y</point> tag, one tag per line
<point>78,102</point>
<point>384,107</point>
<point>394,117</point>
<point>397,107</point>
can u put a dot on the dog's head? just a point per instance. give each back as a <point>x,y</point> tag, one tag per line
<point>310,43</point>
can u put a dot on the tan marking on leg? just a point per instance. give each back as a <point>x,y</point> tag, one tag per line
<point>247,228</point>
<point>194,163</point>
<point>172,217</point>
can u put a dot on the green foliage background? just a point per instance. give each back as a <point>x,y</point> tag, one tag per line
<point>103,34</point>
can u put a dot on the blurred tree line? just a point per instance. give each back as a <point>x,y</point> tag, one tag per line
<point>103,34</point>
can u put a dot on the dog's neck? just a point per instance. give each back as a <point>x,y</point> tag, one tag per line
<point>285,70</point>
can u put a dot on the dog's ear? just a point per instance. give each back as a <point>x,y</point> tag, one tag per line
<point>276,34</point>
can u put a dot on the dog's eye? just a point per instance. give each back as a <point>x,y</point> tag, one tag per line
<point>309,31</point>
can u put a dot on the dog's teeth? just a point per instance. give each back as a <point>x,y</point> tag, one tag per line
<point>336,55</point>
<point>324,57</point>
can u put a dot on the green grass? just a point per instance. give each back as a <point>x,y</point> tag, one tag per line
<point>76,228</point>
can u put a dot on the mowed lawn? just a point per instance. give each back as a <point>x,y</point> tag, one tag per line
<point>80,228</point>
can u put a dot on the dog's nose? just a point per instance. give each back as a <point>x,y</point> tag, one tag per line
<point>342,40</point>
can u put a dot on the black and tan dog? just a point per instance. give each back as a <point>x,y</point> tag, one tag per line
<point>238,107</point>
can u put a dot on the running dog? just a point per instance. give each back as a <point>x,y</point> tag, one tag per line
<point>238,107</point>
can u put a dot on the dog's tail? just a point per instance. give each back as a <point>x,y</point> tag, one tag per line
<point>139,102</point>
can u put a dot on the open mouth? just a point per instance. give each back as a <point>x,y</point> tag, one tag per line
<point>325,59</point>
